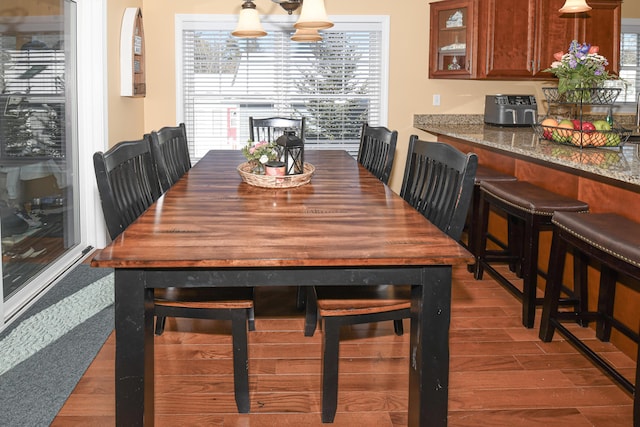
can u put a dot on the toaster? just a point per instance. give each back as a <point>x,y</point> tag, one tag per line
<point>510,110</point>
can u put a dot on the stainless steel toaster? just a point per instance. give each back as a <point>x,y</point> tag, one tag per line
<point>510,110</point>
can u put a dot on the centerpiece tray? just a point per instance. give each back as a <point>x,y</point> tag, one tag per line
<point>269,181</point>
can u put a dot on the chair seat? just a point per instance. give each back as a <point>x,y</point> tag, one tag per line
<point>611,233</point>
<point>531,198</point>
<point>230,298</point>
<point>485,173</point>
<point>356,300</point>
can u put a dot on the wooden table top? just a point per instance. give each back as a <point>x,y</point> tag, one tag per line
<point>344,217</point>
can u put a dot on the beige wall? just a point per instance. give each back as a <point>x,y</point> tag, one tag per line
<point>410,90</point>
<point>631,9</point>
<point>125,114</point>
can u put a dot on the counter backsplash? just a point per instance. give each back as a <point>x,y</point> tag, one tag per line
<point>624,120</point>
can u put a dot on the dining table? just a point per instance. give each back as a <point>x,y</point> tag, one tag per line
<point>344,227</point>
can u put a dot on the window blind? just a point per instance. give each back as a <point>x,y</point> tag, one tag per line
<point>336,84</point>
<point>630,62</point>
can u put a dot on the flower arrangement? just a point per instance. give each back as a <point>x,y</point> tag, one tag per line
<point>260,153</point>
<point>580,67</point>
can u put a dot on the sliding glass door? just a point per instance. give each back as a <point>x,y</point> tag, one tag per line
<point>38,142</point>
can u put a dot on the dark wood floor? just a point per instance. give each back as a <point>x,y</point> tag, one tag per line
<point>501,373</point>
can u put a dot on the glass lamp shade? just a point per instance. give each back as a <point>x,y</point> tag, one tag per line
<point>575,6</point>
<point>306,35</point>
<point>313,16</point>
<point>249,25</point>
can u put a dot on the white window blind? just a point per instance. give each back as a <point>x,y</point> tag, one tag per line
<point>630,60</point>
<point>336,84</point>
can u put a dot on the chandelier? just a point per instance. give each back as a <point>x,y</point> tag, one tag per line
<point>313,17</point>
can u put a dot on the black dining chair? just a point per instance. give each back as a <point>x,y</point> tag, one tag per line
<point>270,129</point>
<point>128,185</point>
<point>377,150</point>
<point>438,182</point>
<point>171,154</point>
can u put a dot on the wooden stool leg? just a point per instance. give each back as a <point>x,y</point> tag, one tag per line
<point>514,243</point>
<point>553,287</point>
<point>474,223</point>
<point>606,297</point>
<point>530,272</point>
<point>481,236</point>
<point>580,286</point>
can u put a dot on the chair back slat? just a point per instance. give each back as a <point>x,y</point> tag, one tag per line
<point>377,150</point>
<point>127,182</point>
<point>438,182</point>
<point>171,154</point>
<point>270,129</point>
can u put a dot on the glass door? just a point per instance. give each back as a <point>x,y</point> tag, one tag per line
<point>38,148</point>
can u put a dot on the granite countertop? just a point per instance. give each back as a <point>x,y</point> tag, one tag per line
<point>620,164</point>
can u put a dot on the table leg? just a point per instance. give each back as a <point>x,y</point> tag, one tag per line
<point>429,348</point>
<point>134,349</point>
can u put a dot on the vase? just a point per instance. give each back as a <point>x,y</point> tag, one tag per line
<point>257,168</point>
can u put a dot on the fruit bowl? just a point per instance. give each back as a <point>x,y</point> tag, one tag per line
<point>581,134</point>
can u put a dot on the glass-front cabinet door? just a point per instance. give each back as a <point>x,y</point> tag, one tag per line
<point>38,165</point>
<point>452,42</point>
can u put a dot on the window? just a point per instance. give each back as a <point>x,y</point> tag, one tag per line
<point>336,84</point>
<point>630,59</point>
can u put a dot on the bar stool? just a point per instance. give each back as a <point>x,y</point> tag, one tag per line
<point>483,173</point>
<point>613,241</point>
<point>533,207</point>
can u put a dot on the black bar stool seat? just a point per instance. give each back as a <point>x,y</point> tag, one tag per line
<point>532,207</point>
<point>614,242</point>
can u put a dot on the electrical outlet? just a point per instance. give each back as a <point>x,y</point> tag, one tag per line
<point>436,99</point>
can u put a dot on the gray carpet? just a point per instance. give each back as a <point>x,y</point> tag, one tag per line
<point>33,390</point>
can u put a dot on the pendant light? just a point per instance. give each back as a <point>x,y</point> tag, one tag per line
<point>249,25</point>
<point>306,35</point>
<point>289,5</point>
<point>313,15</point>
<point>575,6</point>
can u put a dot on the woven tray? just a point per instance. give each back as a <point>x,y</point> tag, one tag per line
<point>268,181</point>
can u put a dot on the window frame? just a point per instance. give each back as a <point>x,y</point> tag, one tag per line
<point>278,23</point>
<point>628,25</point>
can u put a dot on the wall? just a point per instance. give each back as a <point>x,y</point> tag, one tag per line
<point>410,90</point>
<point>631,9</point>
<point>125,115</point>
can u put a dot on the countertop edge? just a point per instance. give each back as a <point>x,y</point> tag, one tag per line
<point>619,164</point>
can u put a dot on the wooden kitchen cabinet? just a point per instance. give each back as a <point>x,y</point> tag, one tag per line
<point>516,40</point>
<point>453,39</point>
<point>601,26</point>
<point>507,38</point>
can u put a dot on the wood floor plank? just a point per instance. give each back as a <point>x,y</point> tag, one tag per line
<point>501,373</point>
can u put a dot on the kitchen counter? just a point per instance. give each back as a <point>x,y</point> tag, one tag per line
<point>622,164</point>
<point>607,179</point>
